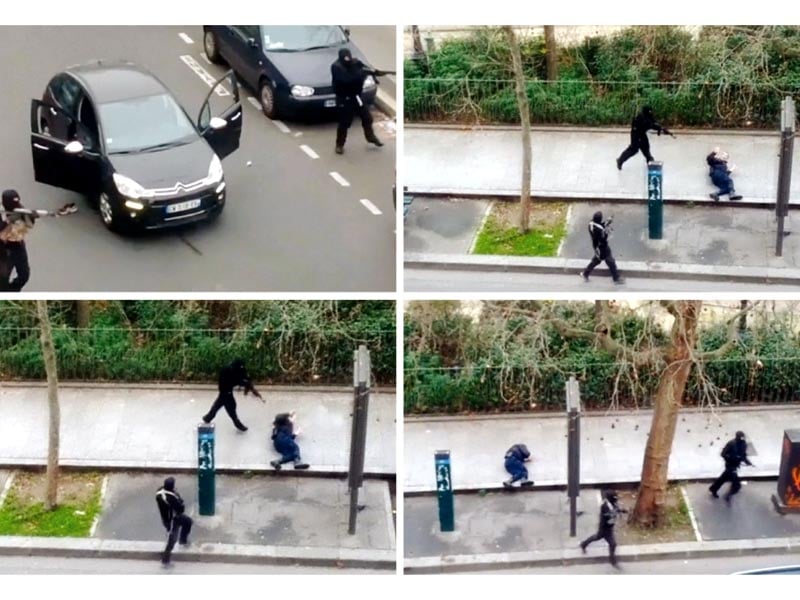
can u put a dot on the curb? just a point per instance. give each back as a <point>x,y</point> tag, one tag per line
<point>225,553</point>
<point>171,386</point>
<point>584,129</point>
<point>386,104</point>
<point>574,266</point>
<point>564,558</point>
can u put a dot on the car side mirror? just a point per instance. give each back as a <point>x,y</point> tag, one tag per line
<point>252,43</point>
<point>217,123</point>
<point>74,147</point>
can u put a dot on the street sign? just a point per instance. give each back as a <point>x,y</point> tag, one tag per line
<point>444,491</point>
<point>206,469</point>
<point>788,497</point>
<point>655,201</point>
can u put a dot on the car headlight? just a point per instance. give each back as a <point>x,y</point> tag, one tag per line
<point>302,91</point>
<point>214,170</point>
<point>129,188</point>
<point>369,82</point>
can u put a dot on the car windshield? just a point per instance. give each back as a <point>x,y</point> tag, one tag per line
<point>294,38</point>
<point>148,122</point>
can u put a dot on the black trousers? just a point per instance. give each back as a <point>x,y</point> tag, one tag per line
<point>228,402</point>
<point>731,475</point>
<point>638,142</point>
<point>16,258</point>
<point>608,536</point>
<point>600,256</point>
<point>180,530</point>
<point>348,109</point>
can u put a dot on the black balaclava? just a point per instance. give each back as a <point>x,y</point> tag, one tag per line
<point>11,200</point>
<point>647,111</point>
<point>740,435</point>
<point>346,57</point>
<point>169,484</point>
<point>611,496</point>
<point>238,364</point>
<point>598,217</point>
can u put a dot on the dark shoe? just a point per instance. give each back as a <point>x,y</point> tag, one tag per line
<point>339,149</point>
<point>206,420</point>
<point>526,483</point>
<point>374,140</point>
<point>276,464</point>
<point>619,281</point>
<point>616,566</point>
<point>360,507</point>
<point>301,465</point>
<point>584,276</point>
<point>736,197</point>
<point>184,543</point>
<point>713,493</point>
<point>714,197</point>
<point>619,165</point>
<point>241,427</point>
<point>583,547</point>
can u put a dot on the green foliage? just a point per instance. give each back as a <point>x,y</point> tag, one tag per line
<point>723,77</point>
<point>303,342</point>
<point>498,238</point>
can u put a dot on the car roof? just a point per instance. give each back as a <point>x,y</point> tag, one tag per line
<point>113,81</point>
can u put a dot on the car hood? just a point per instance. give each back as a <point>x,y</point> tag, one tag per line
<point>312,67</point>
<point>166,168</point>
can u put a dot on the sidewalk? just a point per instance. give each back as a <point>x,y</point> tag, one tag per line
<point>579,163</point>
<point>612,447</point>
<point>154,427</point>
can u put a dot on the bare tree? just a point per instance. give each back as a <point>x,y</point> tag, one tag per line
<point>49,354</point>
<point>551,50</point>
<point>419,50</point>
<point>525,120</point>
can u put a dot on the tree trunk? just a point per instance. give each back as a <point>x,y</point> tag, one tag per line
<point>419,50</point>
<point>551,50</point>
<point>743,318</point>
<point>525,119</point>
<point>651,500</point>
<point>83,313</point>
<point>49,354</point>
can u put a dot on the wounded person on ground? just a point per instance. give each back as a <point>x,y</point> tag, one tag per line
<point>283,438</point>
<point>720,173</point>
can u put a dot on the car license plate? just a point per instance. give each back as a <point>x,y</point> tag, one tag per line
<point>182,206</point>
<point>330,103</point>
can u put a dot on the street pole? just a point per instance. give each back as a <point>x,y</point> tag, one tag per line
<point>358,435</point>
<point>788,497</point>
<point>573,452</point>
<point>206,469</point>
<point>655,200</point>
<point>444,491</point>
<point>788,117</point>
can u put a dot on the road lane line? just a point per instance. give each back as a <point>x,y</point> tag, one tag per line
<point>691,515</point>
<point>207,77</point>
<point>103,489</point>
<point>370,207</point>
<point>339,179</point>
<point>255,103</point>
<point>282,126</point>
<point>309,151</point>
<point>185,38</point>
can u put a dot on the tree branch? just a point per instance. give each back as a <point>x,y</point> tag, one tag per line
<point>733,335</point>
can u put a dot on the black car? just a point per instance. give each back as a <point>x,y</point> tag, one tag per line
<point>115,133</point>
<point>289,66</point>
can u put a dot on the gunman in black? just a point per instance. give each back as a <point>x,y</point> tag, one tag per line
<point>13,253</point>
<point>234,375</point>
<point>734,454</point>
<point>348,75</point>
<point>177,524</point>
<point>599,231</point>
<point>642,123</point>
<point>609,511</point>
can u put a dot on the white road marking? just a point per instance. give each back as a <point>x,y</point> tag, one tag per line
<point>256,104</point>
<point>7,487</point>
<point>282,126</point>
<point>103,489</point>
<point>309,151</point>
<point>207,77</point>
<point>339,179</point>
<point>370,207</point>
<point>691,515</point>
<point>185,38</point>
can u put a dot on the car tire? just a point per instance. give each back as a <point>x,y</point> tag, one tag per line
<point>266,96</point>
<point>110,215</point>
<point>211,47</point>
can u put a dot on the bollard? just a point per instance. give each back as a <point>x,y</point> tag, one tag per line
<point>444,490</point>
<point>573,451</point>
<point>655,201</point>
<point>206,470</point>
<point>788,497</point>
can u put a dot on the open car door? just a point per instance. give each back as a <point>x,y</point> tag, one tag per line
<point>222,130</point>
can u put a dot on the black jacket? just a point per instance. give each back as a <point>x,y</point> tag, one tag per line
<point>170,505</point>
<point>598,230</point>
<point>735,453</point>
<point>348,79</point>
<point>644,122</point>
<point>608,515</point>
<point>518,451</point>
<point>234,375</point>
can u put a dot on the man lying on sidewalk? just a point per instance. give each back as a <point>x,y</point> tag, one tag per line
<point>515,460</point>
<point>283,438</point>
<point>720,174</point>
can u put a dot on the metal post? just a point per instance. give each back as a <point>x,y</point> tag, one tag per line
<point>655,201</point>
<point>788,118</point>
<point>573,451</point>
<point>358,435</point>
<point>444,491</point>
<point>206,470</point>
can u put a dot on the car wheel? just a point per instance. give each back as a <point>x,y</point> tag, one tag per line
<point>109,214</point>
<point>211,47</point>
<point>266,96</point>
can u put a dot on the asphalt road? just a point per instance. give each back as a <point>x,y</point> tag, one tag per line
<point>288,225</point>
<point>35,565</point>
<point>705,566</point>
<point>434,280</point>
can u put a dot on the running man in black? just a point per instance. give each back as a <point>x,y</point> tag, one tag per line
<point>177,524</point>
<point>234,375</point>
<point>599,231</point>
<point>609,511</point>
<point>642,123</point>
<point>734,454</point>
